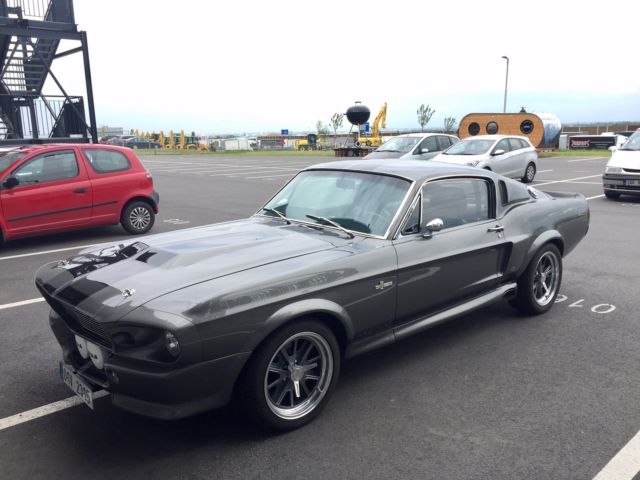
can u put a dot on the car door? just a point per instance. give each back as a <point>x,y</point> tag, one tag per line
<point>462,260</point>
<point>502,163</point>
<point>53,192</point>
<point>427,148</point>
<point>519,157</point>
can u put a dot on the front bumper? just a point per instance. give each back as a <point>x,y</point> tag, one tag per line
<point>161,391</point>
<point>623,183</point>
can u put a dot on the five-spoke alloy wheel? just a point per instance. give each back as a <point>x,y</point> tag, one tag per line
<point>539,285</point>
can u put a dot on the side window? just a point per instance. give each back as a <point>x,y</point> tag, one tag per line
<point>523,143</point>
<point>430,143</point>
<point>515,144</point>
<point>48,167</point>
<point>444,142</point>
<point>503,145</point>
<point>504,195</point>
<point>457,201</point>
<point>106,161</point>
<point>412,224</point>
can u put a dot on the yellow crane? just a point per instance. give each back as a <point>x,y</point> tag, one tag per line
<point>375,140</point>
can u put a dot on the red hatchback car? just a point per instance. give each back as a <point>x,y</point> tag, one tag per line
<point>50,188</point>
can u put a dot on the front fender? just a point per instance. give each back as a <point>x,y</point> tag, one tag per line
<point>308,307</point>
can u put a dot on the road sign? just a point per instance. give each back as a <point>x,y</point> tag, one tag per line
<point>284,131</point>
<point>366,127</point>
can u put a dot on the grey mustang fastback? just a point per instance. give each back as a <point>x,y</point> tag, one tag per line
<point>347,257</point>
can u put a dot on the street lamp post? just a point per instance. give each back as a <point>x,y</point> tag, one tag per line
<point>506,82</point>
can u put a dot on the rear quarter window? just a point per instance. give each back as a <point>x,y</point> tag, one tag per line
<point>106,161</point>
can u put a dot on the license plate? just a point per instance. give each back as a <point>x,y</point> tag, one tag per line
<point>77,384</point>
<point>631,183</point>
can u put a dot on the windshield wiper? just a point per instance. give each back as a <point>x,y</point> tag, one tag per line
<point>273,210</point>
<point>332,223</point>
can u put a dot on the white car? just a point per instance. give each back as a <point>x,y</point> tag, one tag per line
<point>511,156</point>
<point>622,173</point>
<point>414,146</point>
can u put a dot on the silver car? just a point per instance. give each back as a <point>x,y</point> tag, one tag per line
<point>414,146</point>
<point>511,156</point>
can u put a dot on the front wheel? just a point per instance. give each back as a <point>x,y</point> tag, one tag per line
<point>539,285</point>
<point>291,376</point>
<point>137,218</point>
<point>529,173</point>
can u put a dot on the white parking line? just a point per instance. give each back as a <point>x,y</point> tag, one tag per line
<point>568,180</point>
<point>586,159</point>
<point>250,173</point>
<point>20,304</point>
<point>22,255</point>
<point>544,171</point>
<point>595,196</point>
<point>625,465</point>
<point>46,410</point>
<point>269,176</point>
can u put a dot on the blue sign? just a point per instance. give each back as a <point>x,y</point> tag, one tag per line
<point>284,131</point>
<point>366,127</point>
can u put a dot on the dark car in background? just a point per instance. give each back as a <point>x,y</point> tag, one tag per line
<point>141,142</point>
<point>345,258</point>
<point>51,188</point>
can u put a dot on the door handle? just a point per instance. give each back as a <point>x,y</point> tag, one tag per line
<point>80,190</point>
<point>497,228</point>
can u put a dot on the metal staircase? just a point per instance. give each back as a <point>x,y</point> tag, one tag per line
<point>30,34</point>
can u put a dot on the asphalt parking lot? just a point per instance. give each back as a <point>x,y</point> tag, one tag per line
<point>491,395</point>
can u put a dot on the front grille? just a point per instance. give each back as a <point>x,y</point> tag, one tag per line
<point>631,170</point>
<point>79,322</point>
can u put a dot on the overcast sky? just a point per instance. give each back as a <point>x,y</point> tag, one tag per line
<point>255,66</point>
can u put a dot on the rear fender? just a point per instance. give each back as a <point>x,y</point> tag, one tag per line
<point>549,236</point>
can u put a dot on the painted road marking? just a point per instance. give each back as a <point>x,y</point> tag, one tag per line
<point>625,465</point>
<point>22,303</point>
<point>587,159</point>
<point>46,410</point>
<point>269,176</point>
<point>568,180</point>
<point>66,249</point>
<point>544,171</point>
<point>250,173</point>
<point>595,196</point>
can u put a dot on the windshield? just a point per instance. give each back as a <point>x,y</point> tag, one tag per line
<point>360,202</point>
<point>399,144</point>
<point>470,147</point>
<point>7,159</point>
<point>633,143</point>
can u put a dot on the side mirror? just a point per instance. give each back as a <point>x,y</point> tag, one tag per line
<point>613,148</point>
<point>498,152</point>
<point>11,182</point>
<point>434,225</point>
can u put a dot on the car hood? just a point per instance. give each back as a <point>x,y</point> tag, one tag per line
<point>625,159</point>
<point>109,283</point>
<point>373,155</point>
<point>458,159</point>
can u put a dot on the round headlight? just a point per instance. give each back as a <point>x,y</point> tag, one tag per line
<point>172,344</point>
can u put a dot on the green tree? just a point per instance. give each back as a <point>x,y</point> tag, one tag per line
<point>322,128</point>
<point>449,124</point>
<point>425,112</point>
<point>336,123</point>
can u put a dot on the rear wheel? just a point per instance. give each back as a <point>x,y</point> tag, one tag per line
<point>539,285</point>
<point>529,173</point>
<point>291,376</point>
<point>137,217</point>
<point>612,195</point>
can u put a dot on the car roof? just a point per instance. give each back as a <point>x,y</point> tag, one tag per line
<point>494,137</point>
<point>43,146</point>
<point>421,135</point>
<point>415,170</point>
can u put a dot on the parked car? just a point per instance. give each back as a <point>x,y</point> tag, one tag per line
<point>140,142</point>
<point>414,146</point>
<point>119,140</point>
<point>51,188</point>
<point>622,173</point>
<point>345,258</point>
<point>507,155</point>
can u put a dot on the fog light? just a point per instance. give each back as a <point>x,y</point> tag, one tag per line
<point>81,343</point>
<point>172,344</point>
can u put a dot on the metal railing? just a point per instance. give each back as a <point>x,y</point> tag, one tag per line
<point>42,10</point>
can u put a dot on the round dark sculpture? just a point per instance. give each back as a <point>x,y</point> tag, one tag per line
<point>358,114</point>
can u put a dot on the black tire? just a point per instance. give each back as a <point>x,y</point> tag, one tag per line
<point>611,195</point>
<point>137,217</point>
<point>265,377</point>
<point>532,297</point>
<point>529,173</point>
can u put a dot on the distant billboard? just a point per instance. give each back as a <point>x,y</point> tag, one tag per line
<point>592,142</point>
